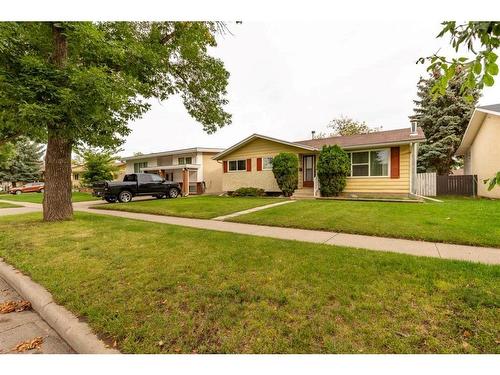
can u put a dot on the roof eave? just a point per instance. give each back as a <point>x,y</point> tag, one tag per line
<point>472,128</point>
<point>173,152</point>
<point>254,136</point>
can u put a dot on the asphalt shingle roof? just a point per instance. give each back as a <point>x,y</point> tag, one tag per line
<point>387,136</point>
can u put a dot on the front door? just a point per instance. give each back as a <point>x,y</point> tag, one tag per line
<point>308,170</point>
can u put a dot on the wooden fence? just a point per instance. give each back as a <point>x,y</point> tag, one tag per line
<point>430,185</point>
<point>426,184</point>
<point>457,185</point>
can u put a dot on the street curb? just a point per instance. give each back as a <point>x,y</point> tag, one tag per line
<point>77,334</point>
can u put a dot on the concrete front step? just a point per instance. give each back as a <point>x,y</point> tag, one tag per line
<point>303,193</point>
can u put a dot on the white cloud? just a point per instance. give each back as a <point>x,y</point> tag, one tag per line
<point>288,78</point>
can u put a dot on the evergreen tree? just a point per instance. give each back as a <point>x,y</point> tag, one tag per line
<point>443,120</point>
<point>22,162</point>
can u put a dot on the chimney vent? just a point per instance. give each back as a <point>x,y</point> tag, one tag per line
<point>312,134</point>
<point>413,127</point>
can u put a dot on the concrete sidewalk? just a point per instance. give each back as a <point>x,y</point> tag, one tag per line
<point>250,210</point>
<point>419,248</point>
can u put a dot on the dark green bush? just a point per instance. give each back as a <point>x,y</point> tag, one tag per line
<point>286,172</point>
<point>333,168</point>
<point>248,192</point>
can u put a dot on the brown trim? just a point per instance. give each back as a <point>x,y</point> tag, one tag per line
<point>249,165</point>
<point>259,164</point>
<point>395,162</point>
<point>199,188</point>
<point>224,166</point>
<point>307,183</point>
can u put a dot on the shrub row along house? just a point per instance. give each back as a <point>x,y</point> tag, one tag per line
<point>381,162</point>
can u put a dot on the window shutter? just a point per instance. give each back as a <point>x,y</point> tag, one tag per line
<point>394,162</point>
<point>224,163</point>
<point>259,164</point>
<point>249,165</point>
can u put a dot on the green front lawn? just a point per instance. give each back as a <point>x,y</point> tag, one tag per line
<point>162,288</point>
<point>38,197</point>
<point>457,220</point>
<point>7,205</point>
<point>202,207</point>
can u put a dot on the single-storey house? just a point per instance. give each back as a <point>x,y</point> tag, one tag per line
<point>480,147</point>
<point>382,162</point>
<point>193,168</point>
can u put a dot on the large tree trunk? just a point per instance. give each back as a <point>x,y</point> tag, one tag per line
<point>57,197</point>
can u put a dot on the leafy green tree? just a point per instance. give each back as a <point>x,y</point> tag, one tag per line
<point>21,161</point>
<point>6,152</point>
<point>344,125</point>
<point>493,181</point>
<point>480,39</point>
<point>73,84</point>
<point>98,166</point>
<point>286,172</point>
<point>333,168</point>
<point>443,120</point>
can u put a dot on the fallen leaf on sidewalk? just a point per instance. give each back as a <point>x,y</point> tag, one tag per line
<point>29,345</point>
<point>17,306</point>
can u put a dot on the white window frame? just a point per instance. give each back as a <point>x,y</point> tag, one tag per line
<point>369,162</point>
<point>264,168</point>
<point>182,160</point>
<point>237,170</point>
<point>140,165</point>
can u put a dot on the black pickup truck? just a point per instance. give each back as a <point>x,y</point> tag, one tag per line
<point>136,184</point>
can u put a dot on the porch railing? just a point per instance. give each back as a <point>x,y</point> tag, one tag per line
<point>316,192</point>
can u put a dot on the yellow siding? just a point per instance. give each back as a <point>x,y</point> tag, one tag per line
<point>265,179</point>
<point>257,148</point>
<point>399,185</point>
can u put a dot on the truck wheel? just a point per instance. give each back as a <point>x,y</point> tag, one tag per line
<point>125,196</point>
<point>173,193</point>
<point>41,190</point>
<point>18,192</point>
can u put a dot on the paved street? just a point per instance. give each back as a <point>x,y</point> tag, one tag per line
<point>18,327</point>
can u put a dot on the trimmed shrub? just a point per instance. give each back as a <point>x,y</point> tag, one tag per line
<point>333,168</point>
<point>286,172</point>
<point>248,192</point>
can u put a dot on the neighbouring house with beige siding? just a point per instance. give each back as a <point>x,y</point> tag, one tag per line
<point>480,147</point>
<point>194,168</point>
<point>381,162</point>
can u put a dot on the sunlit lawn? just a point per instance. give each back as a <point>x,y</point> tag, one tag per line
<point>158,288</point>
